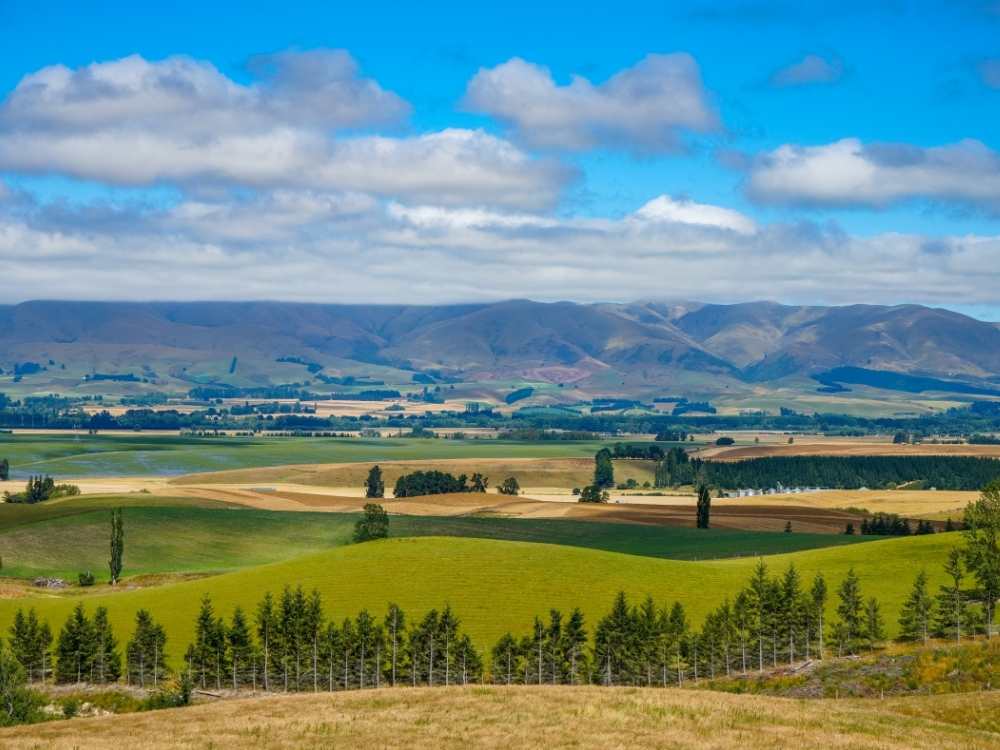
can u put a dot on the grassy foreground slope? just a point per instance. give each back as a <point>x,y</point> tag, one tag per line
<point>535,717</point>
<point>497,586</point>
<point>182,536</point>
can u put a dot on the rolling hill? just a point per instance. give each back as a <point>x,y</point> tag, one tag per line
<point>496,586</point>
<point>617,347</point>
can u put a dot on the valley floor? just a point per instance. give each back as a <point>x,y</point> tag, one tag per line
<point>464,717</point>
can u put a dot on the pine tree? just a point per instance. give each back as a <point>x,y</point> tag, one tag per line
<point>30,641</point>
<point>818,595</point>
<point>240,647</point>
<point>982,550</point>
<point>395,626</point>
<point>266,623</point>
<point>117,545</point>
<point>917,613</point>
<point>850,628</point>
<point>375,485</point>
<point>953,610</point>
<point>874,628</point>
<point>145,653</point>
<point>574,639</point>
<point>75,648</point>
<point>107,664</point>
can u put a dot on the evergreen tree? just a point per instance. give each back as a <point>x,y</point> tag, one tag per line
<point>75,648</point>
<point>982,547</point>
<point>850,628</point>
<point>917,614</point>
<point>395,628</point>
<point>953,609</point>
<point>145,653</point>
<point>574,638</point>
<point>206,657</point>
<point>30,641</point>
<point>817,596</point>
<point>375,485</point>
<point>117,545</point>
<point>4,470</point>
<point>604,470</point>
<point>107,663</point>
<point>239,643</point>
<point>266,620</point>
<point>704,506</point>
<point>505,660</point>
<point>874,631</point>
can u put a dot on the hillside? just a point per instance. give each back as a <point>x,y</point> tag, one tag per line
<point>499,586</point>
<point>463,717</point>
<point>605,348</point>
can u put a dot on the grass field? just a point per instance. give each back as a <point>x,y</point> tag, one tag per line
<point>145,453</point>
<point>544,717</point>
<point>183,536</point>
<point>496,586</point>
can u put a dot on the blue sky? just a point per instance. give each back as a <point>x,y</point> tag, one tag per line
<point>916,76</point>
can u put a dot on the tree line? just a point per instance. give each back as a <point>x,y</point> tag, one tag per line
<point>849,472</point>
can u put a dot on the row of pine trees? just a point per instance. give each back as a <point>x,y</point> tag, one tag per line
<point>288,644</point>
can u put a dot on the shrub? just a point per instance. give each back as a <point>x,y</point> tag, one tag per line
<point>86,579</point>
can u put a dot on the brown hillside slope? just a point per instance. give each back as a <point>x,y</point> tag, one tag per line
<point>546,717</point>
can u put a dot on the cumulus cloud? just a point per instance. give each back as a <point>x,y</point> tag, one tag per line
<point>344,247</point>
<point>810,69</point>
<point>667,209</point>
<point>644,108</point>
<point>179,121</point>
<point>851,173</point>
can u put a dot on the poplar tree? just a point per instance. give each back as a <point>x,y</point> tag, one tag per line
<point>704,508</point>
<point>604,470</point>
<point>117,545</point>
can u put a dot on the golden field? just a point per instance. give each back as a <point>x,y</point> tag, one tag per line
<point>543,717</point>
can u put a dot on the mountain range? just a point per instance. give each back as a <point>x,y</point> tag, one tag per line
<point>641,346</point>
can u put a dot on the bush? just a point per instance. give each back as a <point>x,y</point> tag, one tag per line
<point>18,704</point>
<point>725,441</point>
<point>86,579</point>
<point>593,494</point>
<point>373,525</point>
<point>174,695</point>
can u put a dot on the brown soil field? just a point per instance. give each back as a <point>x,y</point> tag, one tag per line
<point>535,717</point>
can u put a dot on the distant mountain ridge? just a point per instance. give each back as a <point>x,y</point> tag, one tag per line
<point>632,344</point>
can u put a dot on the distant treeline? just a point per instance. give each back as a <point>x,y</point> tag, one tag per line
<point>979,418</point>
<point>849,472</point>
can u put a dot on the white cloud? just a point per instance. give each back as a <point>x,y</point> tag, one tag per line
<point>665,208</point>
<point>178,121</point>
<point>315,246</point>
<point>810,69</point>
<point>851,173</point>
<point>640,109</point>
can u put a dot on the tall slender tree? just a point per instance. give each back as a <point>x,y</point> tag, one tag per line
<point>982,548</point>
<point>117,545</point>
<point>704,507</point>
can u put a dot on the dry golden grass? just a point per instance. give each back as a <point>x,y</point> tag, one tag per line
<point>530,472</point>
<point>529,717</point>
<point>910,503</point>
